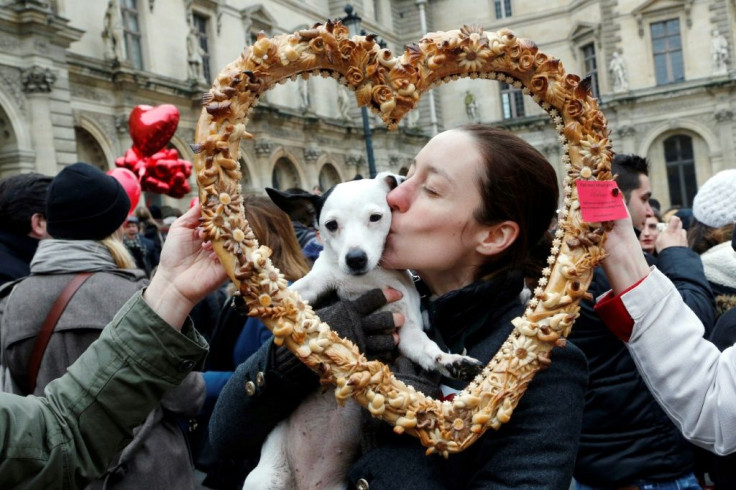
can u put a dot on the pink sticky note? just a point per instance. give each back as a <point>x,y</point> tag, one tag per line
<point>600,200</point>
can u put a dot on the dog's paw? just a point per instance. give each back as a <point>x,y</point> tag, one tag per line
<point>459,367</point>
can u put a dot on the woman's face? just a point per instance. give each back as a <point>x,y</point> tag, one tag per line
<point>433,230</point>
<point>649,234</point>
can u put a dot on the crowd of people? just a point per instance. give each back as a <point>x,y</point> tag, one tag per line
<point>106,317</point>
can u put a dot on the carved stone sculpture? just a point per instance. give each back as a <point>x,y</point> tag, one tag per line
<point>618,73</point>
<point>719,52</point>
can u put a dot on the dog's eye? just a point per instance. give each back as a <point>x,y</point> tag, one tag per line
<point>331,225</point>
<point>376,217</point>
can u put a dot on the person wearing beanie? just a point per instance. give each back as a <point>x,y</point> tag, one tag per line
<point>22,222</point>
<point>714,214</point>
<point>85,211</point>
<point>67,438</point>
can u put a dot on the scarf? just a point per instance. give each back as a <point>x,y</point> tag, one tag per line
<point>719,264</point>
<point>57,256</point>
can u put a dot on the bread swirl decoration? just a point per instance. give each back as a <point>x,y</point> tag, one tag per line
<point>391,86</point>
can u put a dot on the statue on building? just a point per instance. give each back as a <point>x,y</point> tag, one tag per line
<point>195,55</point>
<point>304,97</point>
<point>113,36</point>
<point>471,106</point>
<point>719,52</point>
<point>618,73</point>
<point>343,102</point>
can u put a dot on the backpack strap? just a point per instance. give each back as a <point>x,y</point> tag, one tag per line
<point>42,340</point>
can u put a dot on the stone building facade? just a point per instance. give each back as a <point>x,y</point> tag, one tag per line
<point>72,70</point>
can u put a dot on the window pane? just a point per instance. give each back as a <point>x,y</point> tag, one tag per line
<point>660,67</point>
<point>691,185</point>
<point>503,8</point>
<point>131,23</point>
<point>657,29</point>
<point>686,147</point>
<point>200,24</point>
<point>678,70</point>
<point>659,45</point>
<point>506,104</point>
<point>667,51</point>
<point>519,99</point>
<point>678,154</point>
<point>135,53</point>
<point>671,150</point>
<point>673,181</point>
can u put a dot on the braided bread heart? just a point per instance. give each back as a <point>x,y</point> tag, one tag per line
<point>392,86</point>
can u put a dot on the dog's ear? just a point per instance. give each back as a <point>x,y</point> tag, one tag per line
<point>391,180</point>
<point>300,206</point>
<point>319,203</point>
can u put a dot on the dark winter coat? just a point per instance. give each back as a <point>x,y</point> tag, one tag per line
<point>626,436</point>
<point>16,253</point>
<point>536,449</point>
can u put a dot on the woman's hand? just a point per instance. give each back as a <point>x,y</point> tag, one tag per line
<point>188,271</point>
<point>375,333</point>
<point>624,264</point>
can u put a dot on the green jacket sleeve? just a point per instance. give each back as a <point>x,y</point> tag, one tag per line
<point>67,438</point>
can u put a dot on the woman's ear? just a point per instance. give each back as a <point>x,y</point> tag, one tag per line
<point>497,238</point>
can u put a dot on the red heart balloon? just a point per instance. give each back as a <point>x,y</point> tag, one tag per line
<point>152,127</point>
<point>129,182</point>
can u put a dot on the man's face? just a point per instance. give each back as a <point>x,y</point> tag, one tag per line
<point>638,204</point>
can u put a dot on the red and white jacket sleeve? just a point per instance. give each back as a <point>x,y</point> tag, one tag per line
<point>691,379</point>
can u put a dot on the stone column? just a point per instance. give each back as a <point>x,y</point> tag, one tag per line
<point>725,127</point>
<point>37,84</point>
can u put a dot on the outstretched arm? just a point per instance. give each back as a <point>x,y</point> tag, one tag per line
<point>68,437</point>
<point>691,379</point>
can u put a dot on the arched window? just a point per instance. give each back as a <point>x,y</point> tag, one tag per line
<point>285,175</point>
<point>680,161</point>
<point>90,151</point>
<point>328,176</point>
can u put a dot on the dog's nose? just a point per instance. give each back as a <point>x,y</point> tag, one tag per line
<point>356,259</point>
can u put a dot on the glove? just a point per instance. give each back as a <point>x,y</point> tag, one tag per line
<point>355,321</point>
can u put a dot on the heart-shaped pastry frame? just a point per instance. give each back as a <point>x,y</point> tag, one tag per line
<point>391,86</point>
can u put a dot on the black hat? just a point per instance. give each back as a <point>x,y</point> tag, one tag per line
<point>84,203</point>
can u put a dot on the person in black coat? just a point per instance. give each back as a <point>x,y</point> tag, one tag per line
<point>22,222</point>
<point>627,439</point>
<point>472,253</point>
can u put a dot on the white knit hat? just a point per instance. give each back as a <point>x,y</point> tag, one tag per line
<point>715,202</point>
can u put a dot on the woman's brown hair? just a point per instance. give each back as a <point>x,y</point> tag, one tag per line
<point>273,228</point>
<point>702,238</point>
<point>519,185</point>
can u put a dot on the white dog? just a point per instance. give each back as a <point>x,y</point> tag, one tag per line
<point>353,220</point>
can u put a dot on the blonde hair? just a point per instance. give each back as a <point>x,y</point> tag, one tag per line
<point>120,254</point>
